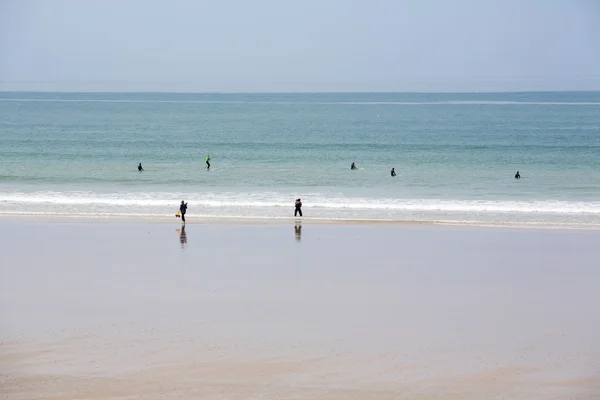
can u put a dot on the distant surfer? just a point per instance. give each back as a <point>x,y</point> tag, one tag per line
<point>207,162</point>
<point>298,207</point>
<point>183,210</point>
<point>517,175</point>
<point>140,168</point>
<point>353,166</point>
<point>393,173</point>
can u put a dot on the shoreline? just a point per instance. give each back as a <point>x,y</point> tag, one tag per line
<point>266,221</point>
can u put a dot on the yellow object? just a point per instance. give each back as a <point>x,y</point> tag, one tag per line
<point>178,214</point>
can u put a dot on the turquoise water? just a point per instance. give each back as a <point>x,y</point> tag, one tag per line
<point>455,155</point>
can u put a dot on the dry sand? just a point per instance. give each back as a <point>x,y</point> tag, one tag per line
<point>135,311</point>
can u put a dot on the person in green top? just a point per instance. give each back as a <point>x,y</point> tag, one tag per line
<point>207,162</point>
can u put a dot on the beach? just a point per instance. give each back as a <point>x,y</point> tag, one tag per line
<point>111,309</point>
<point>385,200</point>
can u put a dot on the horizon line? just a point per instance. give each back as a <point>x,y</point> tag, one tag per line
<point>302,92</point>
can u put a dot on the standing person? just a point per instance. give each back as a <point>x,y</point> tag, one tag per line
<point>517,175</point>
<point>298,206</point>
<point>183,210</point>
<point>140,167</point>
<point>207,162</point>
<point>393,173</point>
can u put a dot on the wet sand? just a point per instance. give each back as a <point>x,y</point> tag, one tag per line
<point>139,311</point>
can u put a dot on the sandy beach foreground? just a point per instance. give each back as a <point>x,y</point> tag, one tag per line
<point>140,311</point>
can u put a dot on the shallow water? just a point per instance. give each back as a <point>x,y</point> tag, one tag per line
<point>455,155</point>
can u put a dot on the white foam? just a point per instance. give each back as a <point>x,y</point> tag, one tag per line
<point>274,200</point>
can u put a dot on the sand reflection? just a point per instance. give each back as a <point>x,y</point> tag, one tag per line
<point>182,236</point>
<point>298,231</point>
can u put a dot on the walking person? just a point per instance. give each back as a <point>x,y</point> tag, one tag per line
<point>183,210</point>
<point>298,206</point>
<point>207,162</point>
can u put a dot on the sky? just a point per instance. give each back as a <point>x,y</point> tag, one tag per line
<point>302,46</point>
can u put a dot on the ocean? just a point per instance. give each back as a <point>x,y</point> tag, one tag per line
<point>455,156</point>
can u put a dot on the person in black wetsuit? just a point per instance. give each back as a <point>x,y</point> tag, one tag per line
<point>183,210</point>
<point>298,207</point>
<point>140,167</point>
<point>393,173</point>
<point>517,175</point>
<point>353,166</point>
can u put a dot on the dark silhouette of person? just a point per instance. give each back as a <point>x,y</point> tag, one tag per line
<point>298,207</point>
<point>183,210</point>
<point>140,168</point>
<point>517,175</point>
<point>353,166</point>
<point>298,232</point>
<point>393,173</point>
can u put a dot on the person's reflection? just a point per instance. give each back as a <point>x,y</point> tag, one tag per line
<point>182,236</point>
<point>298,231</point>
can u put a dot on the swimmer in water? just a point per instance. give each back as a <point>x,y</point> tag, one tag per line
<point>353,166</point>
<point>393,173</point>
<point>140,167</point>
<point>517,175</point>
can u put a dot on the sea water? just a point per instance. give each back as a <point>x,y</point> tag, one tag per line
<point>455,156</point>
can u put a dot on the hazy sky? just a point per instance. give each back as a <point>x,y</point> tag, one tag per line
<point>308,45</point>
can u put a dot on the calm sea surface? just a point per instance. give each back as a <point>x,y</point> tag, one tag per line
<point>455,156</point>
